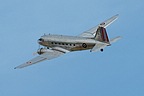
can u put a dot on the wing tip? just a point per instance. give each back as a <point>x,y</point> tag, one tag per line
<point>117,15</point>
<point>20,66</point>
<point>17,67</point>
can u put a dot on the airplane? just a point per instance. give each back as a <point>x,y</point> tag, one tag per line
<point>94,39</point>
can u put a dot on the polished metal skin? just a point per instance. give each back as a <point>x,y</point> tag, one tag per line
<point>71,43</point>
<point>95,39</point>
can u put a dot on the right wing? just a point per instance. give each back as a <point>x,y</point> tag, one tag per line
<point>46,56</point>
<point>91,32</point>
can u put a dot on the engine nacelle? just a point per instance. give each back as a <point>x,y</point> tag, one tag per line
<point>43,50</point>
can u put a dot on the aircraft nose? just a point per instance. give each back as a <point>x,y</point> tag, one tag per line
<point>40,40</point>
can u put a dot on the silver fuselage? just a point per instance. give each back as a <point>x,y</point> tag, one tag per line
<point>71,43</point>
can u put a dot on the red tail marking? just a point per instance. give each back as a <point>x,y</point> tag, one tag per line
<point>104,35</point>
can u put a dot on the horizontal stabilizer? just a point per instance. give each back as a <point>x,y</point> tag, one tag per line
<point>115,39</point>
<point>91,32</point>
<point>109,21</point>
<point>98,47</point>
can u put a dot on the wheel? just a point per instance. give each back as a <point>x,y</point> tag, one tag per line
<point>101,50</point>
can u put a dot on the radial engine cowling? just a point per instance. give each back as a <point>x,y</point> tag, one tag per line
<point>43,50</point>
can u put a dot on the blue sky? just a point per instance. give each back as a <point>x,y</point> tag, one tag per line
<point>118,71</point>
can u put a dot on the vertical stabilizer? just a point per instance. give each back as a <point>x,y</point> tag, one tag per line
<point>101,35</point>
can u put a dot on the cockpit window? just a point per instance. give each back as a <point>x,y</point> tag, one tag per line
<point>41,39</point>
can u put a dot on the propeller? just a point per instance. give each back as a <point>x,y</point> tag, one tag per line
<point>35,53</point>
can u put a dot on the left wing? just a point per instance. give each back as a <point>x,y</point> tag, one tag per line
<point>91,32</point>
<point>51,54</point>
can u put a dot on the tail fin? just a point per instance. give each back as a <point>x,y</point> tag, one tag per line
<point>101,35</point>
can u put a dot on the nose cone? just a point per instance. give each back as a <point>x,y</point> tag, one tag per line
<point>40,39</point>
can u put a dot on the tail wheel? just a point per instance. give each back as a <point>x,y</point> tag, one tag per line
<point>101,50</point>
<point>84,45</point>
